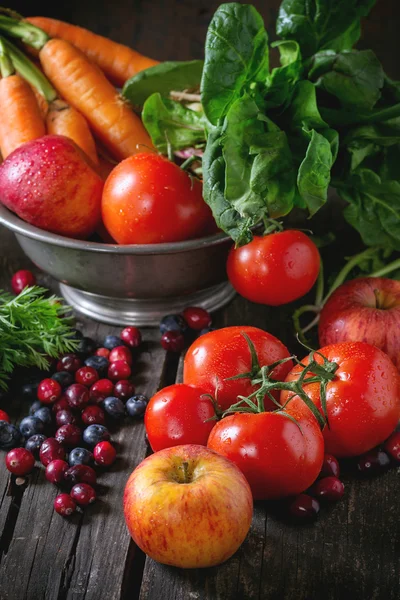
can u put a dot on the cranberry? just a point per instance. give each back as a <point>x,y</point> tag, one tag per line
<point>51,450</point>
<point>101,390</point>
<point>330,489</point>
<point>93,414</point>
<point>330,467</point>
<point>68,435</point>
<point>197,318</point>
<point>64,505</point>
<point>65,417</point>
<point>121,353</point>
<point>22,279</point>
<point>119,370</point>
<point>77,395</point>
<point>83,494</point>
<point>86,376</point>
<point>4,416</point>
<point>103,352</point>
<point>20,461</point>
<point>61,404</point>
<point>70,363</point>
<point>56,470</point>
<point>173,341</point>
<point>104,454</point>
<point>304,508</point>
<point>392,446</point>
<point>49,391</point>
<point>124,389</point>
<point>375,461</point>
<point>80,474</point>
<point>131,336</point>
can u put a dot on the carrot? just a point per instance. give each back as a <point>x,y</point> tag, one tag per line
<point>63,119</point>
<point>84,86</point>
<point>21,120</point>
<point>42,102</point>
<point>117,61</point>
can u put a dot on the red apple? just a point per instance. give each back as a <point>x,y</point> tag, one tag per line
<point>50,184</point>
<point>364,310</point>
<point>188,507</point>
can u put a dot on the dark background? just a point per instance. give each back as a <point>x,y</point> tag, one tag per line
<point>175,29</point>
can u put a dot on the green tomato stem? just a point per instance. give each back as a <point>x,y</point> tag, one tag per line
<point>387,269</point>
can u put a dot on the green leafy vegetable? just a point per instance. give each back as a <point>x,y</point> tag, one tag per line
<point>281,82</point>
<point>315,172</point>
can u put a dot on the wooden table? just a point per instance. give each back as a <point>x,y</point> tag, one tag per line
<point>352,551</point>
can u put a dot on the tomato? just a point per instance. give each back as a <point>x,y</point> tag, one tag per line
<point>224,353</point>
<point>147,199</point>
<point>276,457</point>
<point>178,414</point>
<point>363,399</point>
<point>274,269</point>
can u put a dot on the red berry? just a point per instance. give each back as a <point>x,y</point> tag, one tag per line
<point>304,508</point>
<point>131,336</point>
<point>392,446</point>
<point>101,390</point>
<point>61,404</point>
<point>104,454</point>
<point>77,396</point>
<point>119,370</point>
<point>330,467</point>
<point>65,417</point>
<point>55,471</point>
<point>104,352</point>
<point>330,489</point>
<point>20,461</point>
<point>69,362</point>
<point>86,376</point>
<point>80,474</point>
<point>64,505</point>
<point>69,435</point>
<point>22,279</point>
<point>93,415</point>
<point>197,318</point>
<point>375,461</point>
<point>51,450</point>
<point>83,494</point>
<point>49,391</point>
<point>4,416</point>
<point>121,353</point>
<point>173,341</point>
<point>124,389</point>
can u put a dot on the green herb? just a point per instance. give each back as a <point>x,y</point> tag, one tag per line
<point>32,328</point>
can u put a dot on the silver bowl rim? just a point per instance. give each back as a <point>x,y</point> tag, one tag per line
<point>18,226</point>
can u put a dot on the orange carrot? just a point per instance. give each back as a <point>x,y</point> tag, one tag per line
<point>42,102</point>
<point>21,120</point>
<point>63,119</point>
<point>117,61</point>
<point>84,86</point>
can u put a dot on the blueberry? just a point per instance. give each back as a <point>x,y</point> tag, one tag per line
<point>100,363</point>
<point>112,341</point>
<point>34,407</point>
<point>206,330</point>
<point>95,434</point>
<point>64,378</point>
<point>75,334</point>
<point>34,443</point>
<point>44,414</point>
<point>80,456</point>
<point>114,407</point>
<point>10,436</point>
<point>86,346</point>
<point>173,323</point>
<point>29,390</point>
<point>136,405</point>
<point>29,426</point>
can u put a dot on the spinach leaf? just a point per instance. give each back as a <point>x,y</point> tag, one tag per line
<point>171,125</point>
<point>236,57</point>
<point>318,24</point>
<point>314,173</point>
<point>367,141</point>
<point>282,80</point>
<point>163,78</point>
<point>303,111</point>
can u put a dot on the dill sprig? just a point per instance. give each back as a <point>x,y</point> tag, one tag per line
<point>32,329</point>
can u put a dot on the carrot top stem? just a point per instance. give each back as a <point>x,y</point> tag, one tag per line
<point>27,33</point>
<point>6,66</point>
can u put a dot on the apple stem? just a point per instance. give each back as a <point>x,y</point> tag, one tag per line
<point>185,467</point>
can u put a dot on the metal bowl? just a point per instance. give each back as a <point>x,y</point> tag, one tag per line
<point>135,284</point>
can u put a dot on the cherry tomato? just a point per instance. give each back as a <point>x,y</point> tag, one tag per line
<point>277,457</point>
<point>224,353</point>
<point>148,200</point>
<point>274,269</point>
<point>178,414</point>
<point>363,399</point>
